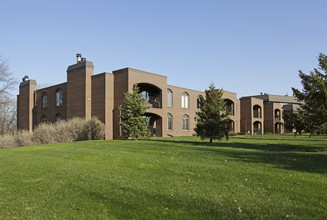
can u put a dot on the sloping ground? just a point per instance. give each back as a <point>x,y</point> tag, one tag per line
<point>251,177</point>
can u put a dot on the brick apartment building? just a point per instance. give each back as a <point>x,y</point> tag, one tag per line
<point>172,109</point>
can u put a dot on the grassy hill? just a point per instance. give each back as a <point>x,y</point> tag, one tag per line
<point>251,177</point>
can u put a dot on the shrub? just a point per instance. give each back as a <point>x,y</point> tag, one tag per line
<point>23,138</point>
<point>7,141</point>
<point>65,132</point>
<point>45,133</point>
<point>93,130</point>
<point>76,129</point>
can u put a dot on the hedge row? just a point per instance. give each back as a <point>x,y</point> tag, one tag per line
<point>76,129</point>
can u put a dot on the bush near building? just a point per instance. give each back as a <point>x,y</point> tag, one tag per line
<point>76,129</point>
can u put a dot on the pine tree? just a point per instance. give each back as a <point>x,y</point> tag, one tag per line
<point>134,123</point>
<point>296,120</point>
<point>314,97</point>
<point>212,123</point>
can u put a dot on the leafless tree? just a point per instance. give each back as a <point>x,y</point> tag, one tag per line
<point>7,104</point>
<point>7,81</point>
<point>7,115</point>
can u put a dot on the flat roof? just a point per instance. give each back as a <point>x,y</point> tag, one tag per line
<point>277,98</point>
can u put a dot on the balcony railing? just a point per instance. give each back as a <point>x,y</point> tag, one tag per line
<point>152,102</point>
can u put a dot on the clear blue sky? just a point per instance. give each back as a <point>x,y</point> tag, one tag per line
<point>243,46</point>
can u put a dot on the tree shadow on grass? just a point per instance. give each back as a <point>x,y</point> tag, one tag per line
<point>302,158</point>
<point>259,146</point>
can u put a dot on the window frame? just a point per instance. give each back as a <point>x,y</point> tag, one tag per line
<point>170,121</point>
<point>185,100</point>
<point>169,98</point>
<point>44,100</point>
<point>59,97</point>
<point>185,123</point>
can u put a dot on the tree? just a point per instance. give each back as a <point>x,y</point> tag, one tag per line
<point>314,97</point>
<point>211,122</point>
<point>7,104</point>
<point>296,120</point>
<point>7,82</point>
<point>134,123</point>
<point>7,115</point>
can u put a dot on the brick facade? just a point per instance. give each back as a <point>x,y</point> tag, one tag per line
<point>85,95</point>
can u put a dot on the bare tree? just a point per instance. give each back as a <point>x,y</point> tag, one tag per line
<point>7,81</point>
<point>7,104</point>
<point>7,115</point>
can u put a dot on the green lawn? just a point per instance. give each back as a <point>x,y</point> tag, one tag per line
<point>249,177</point>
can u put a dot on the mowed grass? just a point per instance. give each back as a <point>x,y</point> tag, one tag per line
<point>247,177</point>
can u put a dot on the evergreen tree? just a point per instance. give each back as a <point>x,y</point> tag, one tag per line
<point>212,123</point>
<point>134,123</point>
<point>296,120</point>
<point>314,97</point>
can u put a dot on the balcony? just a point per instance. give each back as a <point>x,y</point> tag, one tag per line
<point>257,111</point>
<point>277,115</point>
<point>152,102</point>
<point>256,114</point>
<point>151,94</point>
<point>229,109</point>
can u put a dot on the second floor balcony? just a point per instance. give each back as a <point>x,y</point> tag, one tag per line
<point>151,94</point>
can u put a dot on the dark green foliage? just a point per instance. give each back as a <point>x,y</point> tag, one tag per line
<point>211,122</point>
<point>296,120</point>
<point>314,97</point>
<point>134,123</point>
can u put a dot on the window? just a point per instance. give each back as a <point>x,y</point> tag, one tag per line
<point>44,118</point>
<point>59,97</point>
<point>170,97</point>
<point>44,100</point>
<point>170,122</point>
<point>59,117</point>
<point>185,123</point>
<point>185,100</point>
<point>199,100</point>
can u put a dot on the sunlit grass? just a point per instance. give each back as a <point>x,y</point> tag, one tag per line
<point>252,177</point>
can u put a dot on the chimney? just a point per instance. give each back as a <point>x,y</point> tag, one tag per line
<point>83,59</point>
<point>78,57</point>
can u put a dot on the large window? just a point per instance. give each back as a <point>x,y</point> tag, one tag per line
<point>59,97</point>
<point>185,123</point>
<point>185,100</point>
<point>170,122</point>
<point>44,100</point>
<point>169,97</point>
